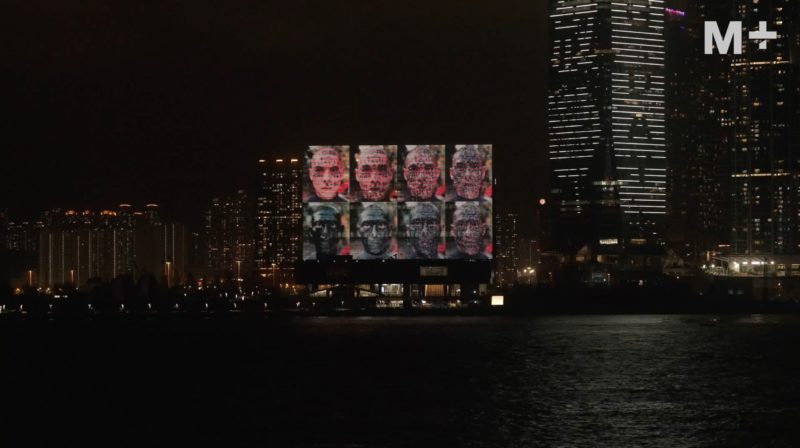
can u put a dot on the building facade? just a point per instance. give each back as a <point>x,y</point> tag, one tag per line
<point>766,142</point>
<point>506,249</point>
<point>606,122</point>
<point>228,235</point>
<point>75,247</point>
<point>22,236</point>
<point>279,209</point>
<point>699,132</point>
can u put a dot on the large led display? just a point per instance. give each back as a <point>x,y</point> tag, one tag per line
<point>404,202</point>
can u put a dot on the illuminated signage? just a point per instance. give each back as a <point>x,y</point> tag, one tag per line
<point>733,35</point>
<point>433,271</point>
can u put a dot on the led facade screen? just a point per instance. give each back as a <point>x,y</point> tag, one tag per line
<point>402,202</point>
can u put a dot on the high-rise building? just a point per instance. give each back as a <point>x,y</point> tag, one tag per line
<point>22,236</point>
<point>699,132</point>
<point>505,249</point>
<point>606,122</point>
<point>766,120</point>
<point>279,209</point>
<point>228,235</point>
<point>162,248</point>
<point>77,246</point>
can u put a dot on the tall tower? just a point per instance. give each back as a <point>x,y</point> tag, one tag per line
<point>278,217</point>
<point>505,249</point>
<point>699,137</point>
<point>606,121</point>
<point>766,144</point>
<point>228,235</point>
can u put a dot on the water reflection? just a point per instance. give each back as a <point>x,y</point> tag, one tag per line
<point>395,382</point>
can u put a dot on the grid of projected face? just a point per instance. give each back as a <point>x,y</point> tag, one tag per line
<point>407,202</point>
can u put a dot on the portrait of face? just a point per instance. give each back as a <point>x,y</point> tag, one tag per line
<point>424,227</point>
<point>326,172</point>
<point>326,230</point>
<point>468,229</point>
<point>421,172</point>
<point>374,173</point>
<point>467,171</point>
<point>374,229</point>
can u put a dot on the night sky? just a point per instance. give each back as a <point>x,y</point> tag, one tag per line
<point>173,102</point>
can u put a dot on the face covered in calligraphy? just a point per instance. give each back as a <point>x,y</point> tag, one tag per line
<point>326,172</point>
<point>424,229</point>
<point>326,230</point>
<point>421,171</point>
<point>467,172</point>
<point>373,227</point>
<point>468,229</point>
<point>373,173</point>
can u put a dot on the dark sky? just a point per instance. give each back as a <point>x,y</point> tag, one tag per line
<point>173,102</point>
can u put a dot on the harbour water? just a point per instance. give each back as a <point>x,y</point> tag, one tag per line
<point>628,380</point>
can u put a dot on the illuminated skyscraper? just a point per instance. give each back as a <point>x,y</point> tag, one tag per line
<point>279,216</point>
<point>766,144</point>
<point>505,249</point>
<point>606,121</point>
<point>228,235</point>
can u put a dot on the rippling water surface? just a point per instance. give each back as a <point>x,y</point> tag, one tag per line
<point>674,381</point>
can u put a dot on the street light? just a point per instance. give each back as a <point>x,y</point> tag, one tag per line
<point>529,271</point>
<point>238,270</point>
<point>273,275</point>
<point>30,278</point>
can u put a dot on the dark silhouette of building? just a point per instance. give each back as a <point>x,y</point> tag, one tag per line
<point>699,132</point>
<point>3,228</point>
<point>162,249</point>
<point>228,235</point>
<point>279,209</point>
<point>75,247</point>
<point>22,236</point>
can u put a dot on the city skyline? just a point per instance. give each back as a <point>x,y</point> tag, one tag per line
<point>632,160</point>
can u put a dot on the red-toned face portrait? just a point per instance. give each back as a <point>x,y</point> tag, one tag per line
<point>374,175</point>
<point>326,171</point>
